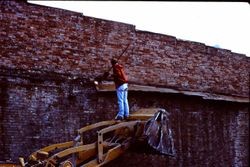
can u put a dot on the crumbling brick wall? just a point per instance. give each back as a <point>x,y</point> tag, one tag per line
<point>43,48</point>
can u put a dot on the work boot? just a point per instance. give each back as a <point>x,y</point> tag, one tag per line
<point>118,117</point>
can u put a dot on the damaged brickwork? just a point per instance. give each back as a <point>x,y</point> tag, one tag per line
<point>49,58</point>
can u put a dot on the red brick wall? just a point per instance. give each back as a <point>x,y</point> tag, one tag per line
<point>49,39</point>
<point>42,48</point>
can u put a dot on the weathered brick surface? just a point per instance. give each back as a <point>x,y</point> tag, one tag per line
<point>36,113</point>
<point>49,39</point>
<point>42,49</point>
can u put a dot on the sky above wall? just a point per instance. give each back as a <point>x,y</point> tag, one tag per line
<point>220,24</point>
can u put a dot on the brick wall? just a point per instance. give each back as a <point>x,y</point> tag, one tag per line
<point>43,48</point>
<point>50,39</point>
<point>38,112</point>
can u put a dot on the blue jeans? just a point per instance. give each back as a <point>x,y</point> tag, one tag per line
<point>122,95</point>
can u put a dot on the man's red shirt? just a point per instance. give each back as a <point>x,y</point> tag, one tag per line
<point>119,75</point>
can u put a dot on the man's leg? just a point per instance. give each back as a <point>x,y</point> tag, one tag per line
<point>125,101</point>
<point>120,95</point>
